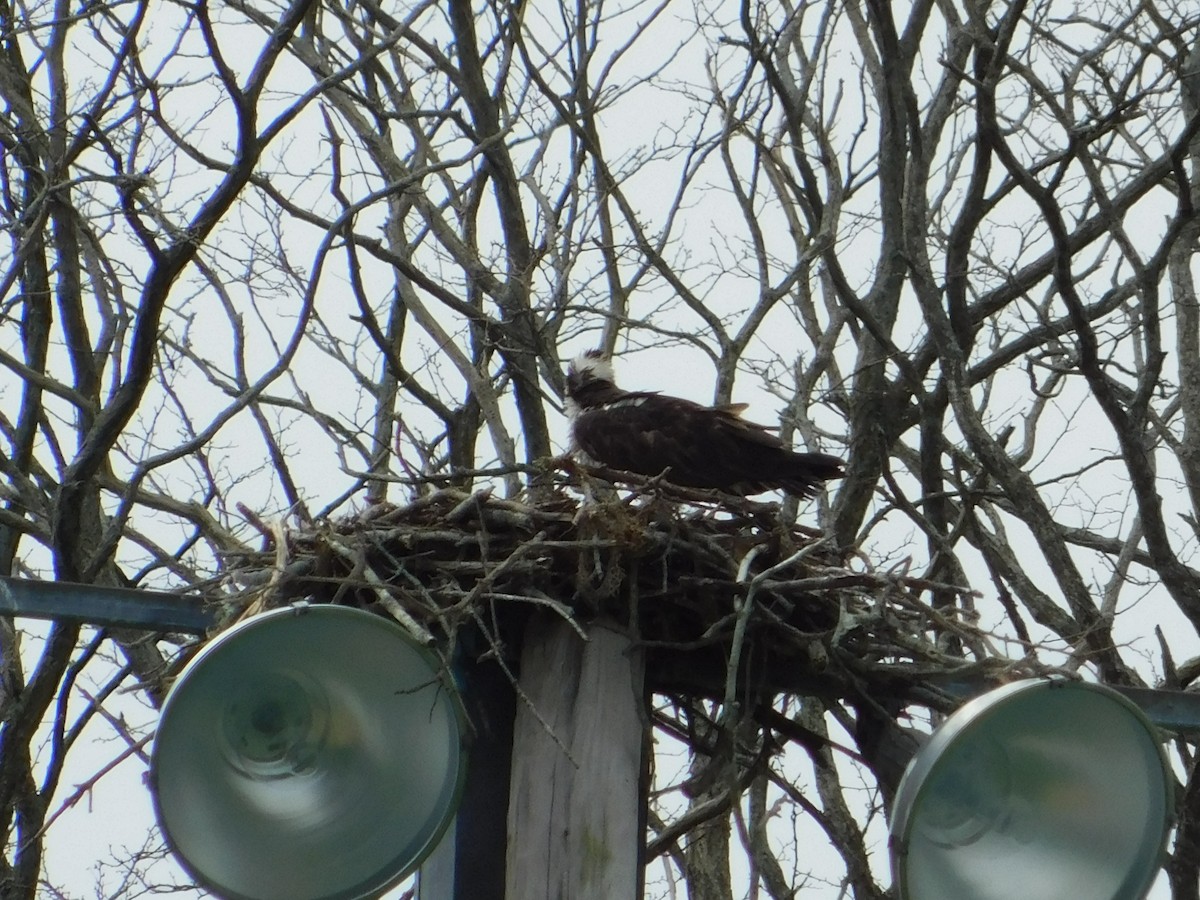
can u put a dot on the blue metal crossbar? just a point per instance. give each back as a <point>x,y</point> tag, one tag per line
<point>110,606</point>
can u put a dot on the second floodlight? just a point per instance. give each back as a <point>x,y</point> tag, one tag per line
<point>1040,790</point>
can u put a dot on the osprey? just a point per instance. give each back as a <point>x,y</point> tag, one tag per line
<point>702,446</point>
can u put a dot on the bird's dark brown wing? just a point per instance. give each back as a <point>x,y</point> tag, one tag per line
<point>731,418</point>
<point>644,433</point>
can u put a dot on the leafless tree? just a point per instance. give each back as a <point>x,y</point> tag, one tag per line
<point>273,264</point>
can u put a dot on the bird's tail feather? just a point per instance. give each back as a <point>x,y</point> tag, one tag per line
<point>807,472</point>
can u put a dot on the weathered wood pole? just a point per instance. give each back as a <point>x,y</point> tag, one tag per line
<point>574,811</point>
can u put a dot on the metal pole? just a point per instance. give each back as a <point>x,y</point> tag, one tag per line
<point>1176,711</point>
<point>94,605</point>
<point>469,862</point>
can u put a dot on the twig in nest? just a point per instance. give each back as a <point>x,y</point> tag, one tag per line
<point>382,592</point>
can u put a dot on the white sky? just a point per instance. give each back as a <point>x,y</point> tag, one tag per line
<point>112,819</point>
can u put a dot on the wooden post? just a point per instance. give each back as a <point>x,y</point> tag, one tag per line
<point>574,811</point>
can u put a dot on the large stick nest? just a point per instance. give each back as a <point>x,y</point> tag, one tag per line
<point>709,586</point>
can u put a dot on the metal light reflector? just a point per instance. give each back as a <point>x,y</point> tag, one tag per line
<point>1039,790</point>
<point>308,754</point>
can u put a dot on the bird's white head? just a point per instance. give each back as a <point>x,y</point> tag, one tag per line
<point>587,368</point>
<point>589,381</point>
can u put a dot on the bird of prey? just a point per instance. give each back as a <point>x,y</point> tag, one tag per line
<point>697,446</point>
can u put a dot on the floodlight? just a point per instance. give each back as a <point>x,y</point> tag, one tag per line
<point>1038,790</point>
<point>308,753</point>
